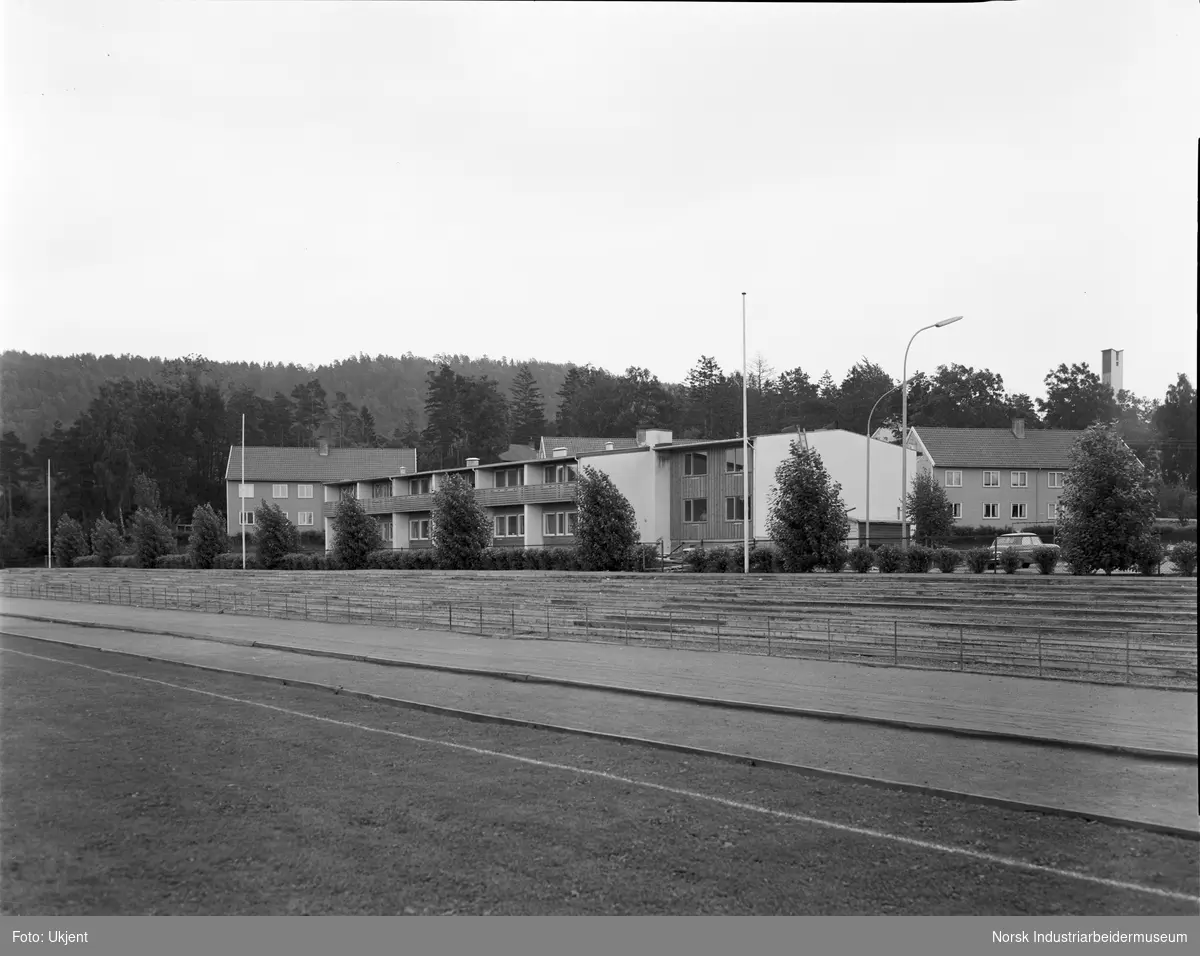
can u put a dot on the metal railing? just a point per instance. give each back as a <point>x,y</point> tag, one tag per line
<point>1142,659</point>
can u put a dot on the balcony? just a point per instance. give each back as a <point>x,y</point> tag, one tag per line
<point>488,497</point>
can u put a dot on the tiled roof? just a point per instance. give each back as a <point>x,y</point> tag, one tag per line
<point>998,447</point>
<point>306,464</point>
<point>576,446</point>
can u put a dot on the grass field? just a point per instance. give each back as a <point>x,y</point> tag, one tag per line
<point>129,796</point>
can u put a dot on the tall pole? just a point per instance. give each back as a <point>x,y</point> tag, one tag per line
<point>745,453</point>
<point>867,541</point>
<point>49,536</point>
<point>904,431</point>
<point>242,492</point>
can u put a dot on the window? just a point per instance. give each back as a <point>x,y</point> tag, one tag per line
<point>1052,511</point>
<point>510,526</point>
<point>556,474</point>
<point>695,463</point>
<point>1054,479</point>
<point>1020,479</point>
<point>956,511</point>
<point>733,460</point>
<point>246,517</point>
<point>246,491</point>
<point>418,530</point>
<point>303,491</point>
<point>735,509</point>
<point>304,518</point>
<point>991,479</point>
<point>954,479</point>
<point>510,477</point>
<point>991,510</point>
<point>385,529</point>
<point>695,509</point>
<point>279,491</point>
<point>1019,510</point>
<point>559,523</point>
<point>348,492</point>
<point>418,486</point>
<point>381,489</point>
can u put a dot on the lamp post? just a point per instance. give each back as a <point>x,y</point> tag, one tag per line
<point>904,430</point>
<point>867,540</point>
<point>745,454</point>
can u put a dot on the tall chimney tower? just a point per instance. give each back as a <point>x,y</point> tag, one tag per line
<point>1112,369</point>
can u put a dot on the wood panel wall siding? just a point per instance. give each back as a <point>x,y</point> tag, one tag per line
<point>693,492</point>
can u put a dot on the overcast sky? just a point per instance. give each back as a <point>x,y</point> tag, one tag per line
<point>300,182</point>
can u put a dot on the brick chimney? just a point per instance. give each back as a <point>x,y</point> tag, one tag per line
<point>608,446</point>
<point>472,462</point>
<point>1018,427</point>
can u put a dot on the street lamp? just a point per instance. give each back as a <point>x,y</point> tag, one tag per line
<point>904,430</point>
<point>867,540</point>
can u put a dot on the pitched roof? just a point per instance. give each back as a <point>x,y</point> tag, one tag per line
<point>998,447</point>
<point>306,464</point>
<point>518,453</point>
<point>576,446</point>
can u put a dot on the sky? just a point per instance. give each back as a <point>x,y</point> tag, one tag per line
<point>302,182</point>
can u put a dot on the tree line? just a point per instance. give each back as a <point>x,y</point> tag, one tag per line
<point>177,422</point>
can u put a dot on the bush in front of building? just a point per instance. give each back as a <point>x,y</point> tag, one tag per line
<point>1045,559</point>
<point>947,560</point>
<point>355,535</point>
<point>1149,554</point>
<point>174,562</point>
<point>837,559</point>
<point>1108,504</point>
<point>930,509</point>
<point>1183,557</point>
<point>716,561</point>
<point>607,526</point>
<point>87,561</point>
<point>232,561</point>
<point>124,561</point>
<point>274,535</point>
<point>889,559</point>
<point>918,559</point>
<point>806,518</point>
<point>862,559</point>
<point>208,536</point>
<point>1010,560</point>
<point>462,530</point>
<point>299,561</point>
<point>977,559</point>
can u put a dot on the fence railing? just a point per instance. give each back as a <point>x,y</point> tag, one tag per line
<point>1098,657</point>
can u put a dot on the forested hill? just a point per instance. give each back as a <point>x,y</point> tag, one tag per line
<point>38,390</point>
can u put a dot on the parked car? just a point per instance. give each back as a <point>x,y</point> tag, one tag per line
<point>1025,545</point>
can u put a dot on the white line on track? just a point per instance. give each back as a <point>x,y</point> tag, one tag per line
<point>992,858</point>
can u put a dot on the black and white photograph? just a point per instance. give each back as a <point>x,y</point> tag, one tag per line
<point>601,459</point>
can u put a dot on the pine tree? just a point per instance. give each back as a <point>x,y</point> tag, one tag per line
<point>274,535</point>
<point>355,535</point>
<point>607,530</point>
<point>528,409</point>
<point>806,517</point>
<point>208,538</point>
<point>462,529</point>
<point>106,541</point>
<point>930,509</point>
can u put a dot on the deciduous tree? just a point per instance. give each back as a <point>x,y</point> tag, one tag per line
<point>462,530</point>
<point>607,530</point>
<point>806,516</point>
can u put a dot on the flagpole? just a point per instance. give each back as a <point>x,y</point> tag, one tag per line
<point>242,492</point>
<point>745,453</point>
<point>49,536</point>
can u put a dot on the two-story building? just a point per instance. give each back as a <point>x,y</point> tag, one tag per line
<point>1001,476</point>
<point>294,479</point>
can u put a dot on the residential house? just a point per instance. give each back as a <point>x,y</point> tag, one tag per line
<point>997,476</point>
<point>293,478</point>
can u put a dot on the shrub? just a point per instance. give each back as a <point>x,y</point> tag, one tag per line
<point>69,541</point>
<point>862,559</point>
<point>564,559</point>
<point>232,560</point>
<point>1183,556</point>
<point>386,559</point>
<point>889,559</point>
<point>1108,503</point>
<point>696,559</point>
<point>124,561</point>
<point>947,560</point>
<point>462,530</point>
<point>977,559</point>
<point>642,557</point>
<point>763,560</point>
<point>1045,559</point>
<point>152,536</point>
<point>355,534</point>
<point>106,541</point>
<point>607,525</point>
<point>174,561</point>
<point>1010,560</point>
<point>717,561</point>
<point>274,535</point>
<point>208,536</point>
<point>87,561</point>
<point>918,559</point>
<point>298,561</point>
<point>1148,554</point>
<point>807,518</point>
<point>328,561</point>
<point>837,558</point>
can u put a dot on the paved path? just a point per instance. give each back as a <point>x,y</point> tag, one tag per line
<point>1106,786</point>
<point>1133,717</point>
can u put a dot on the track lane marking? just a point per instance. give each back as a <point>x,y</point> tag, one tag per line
<point>995,859</point>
